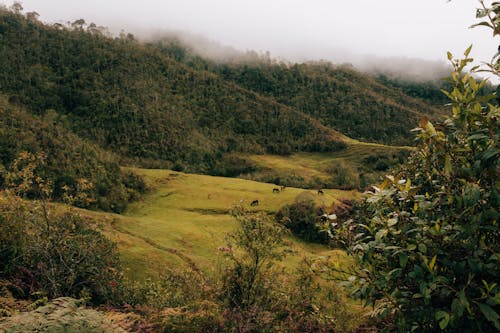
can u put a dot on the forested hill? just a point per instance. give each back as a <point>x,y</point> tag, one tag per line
<point>141,101</point>
<point>371,108</point>
<point>135,100</point>
<point>354,103</point>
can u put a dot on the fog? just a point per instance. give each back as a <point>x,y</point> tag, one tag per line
<point>399,36</point>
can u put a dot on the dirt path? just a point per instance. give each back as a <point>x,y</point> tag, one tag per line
<point>150,242</point>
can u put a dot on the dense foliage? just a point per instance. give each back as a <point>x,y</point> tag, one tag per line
<point>302,218</point>
<point>357,104</point>
<point>342,98</point>
<point>54,254</point>
<point>68,161</point>
<point>139,102</point>
<point>427,241</point>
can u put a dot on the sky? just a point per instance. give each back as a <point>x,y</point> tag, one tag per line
<point>336,30</point>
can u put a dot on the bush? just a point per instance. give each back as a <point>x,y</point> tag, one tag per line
<point>58,254</point>
<point>344,175</point>
<point>302,218</point>
<point>233,166</point>
<point>427,242</point>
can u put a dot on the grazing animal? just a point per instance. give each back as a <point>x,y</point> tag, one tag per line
<point>283,187</point>
<point>254,203</point>
<point>320,192</point>
<point>328,217</point>
<point>276,190</point>
<point>225,249</point>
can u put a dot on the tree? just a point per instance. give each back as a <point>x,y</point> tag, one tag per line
<point>426,242</point>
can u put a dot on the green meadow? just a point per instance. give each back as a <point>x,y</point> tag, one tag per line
<point>184,219</point>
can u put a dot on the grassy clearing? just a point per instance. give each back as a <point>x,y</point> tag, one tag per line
<point>316,165</point>
<point>185,218</point>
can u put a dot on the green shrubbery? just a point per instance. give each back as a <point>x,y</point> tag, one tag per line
<point>69,163</point>
<point>55,253</point>
<point>302,218</point>
<point>58,254</point>
<point>427,241</point>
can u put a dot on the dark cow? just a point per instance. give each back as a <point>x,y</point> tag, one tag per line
<point>276,190</point>
<point>320,192</point>
<point>254,203</point>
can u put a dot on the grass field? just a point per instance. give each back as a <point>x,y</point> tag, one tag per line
<point>310,166</point>
<point>185,217</point>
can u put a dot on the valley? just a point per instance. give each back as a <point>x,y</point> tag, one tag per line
<point>146,188</point>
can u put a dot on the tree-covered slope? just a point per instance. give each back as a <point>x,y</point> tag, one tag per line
<point>364,106</point>
<point>71,165</point>
<point>137,101</point>
<point>342,98</point>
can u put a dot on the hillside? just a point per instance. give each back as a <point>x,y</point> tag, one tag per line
<point>135,100</point>
<point>147,103</point>
<point>69,163</point>
<point>362,106</point>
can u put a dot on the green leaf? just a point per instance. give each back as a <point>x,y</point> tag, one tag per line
<point>403,260</point>
<point>393,221</point>
<point>432,263</point>
<point>489,314</point>
<point>490,153</point>
<point>381,234</point>
<point>477,137</point>
<point>481,12</point>
<point>482,24</point>
<point>443,318</point>
<point>447,165</point>
<point>450,56</point>
<point>466,53</point>
<point>457,308</point>
<point>411,247</point>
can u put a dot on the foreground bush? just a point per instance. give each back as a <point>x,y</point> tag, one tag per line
<point>59,254</point>
<point>427,241</point>
<point>56,253</point>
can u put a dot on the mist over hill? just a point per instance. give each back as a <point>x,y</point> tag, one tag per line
<point>161,101</point>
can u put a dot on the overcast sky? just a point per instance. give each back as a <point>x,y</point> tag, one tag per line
<point>296,29</point>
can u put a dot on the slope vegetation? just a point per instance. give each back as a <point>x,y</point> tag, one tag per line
<point>159,102</point>
<point>63,159</point>
<point>139,102</point>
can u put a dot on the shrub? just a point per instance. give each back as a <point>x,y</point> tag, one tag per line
<point>57,253</point>
<point>427,242</point>
<point>344,176</point>
<point>302,218</point>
